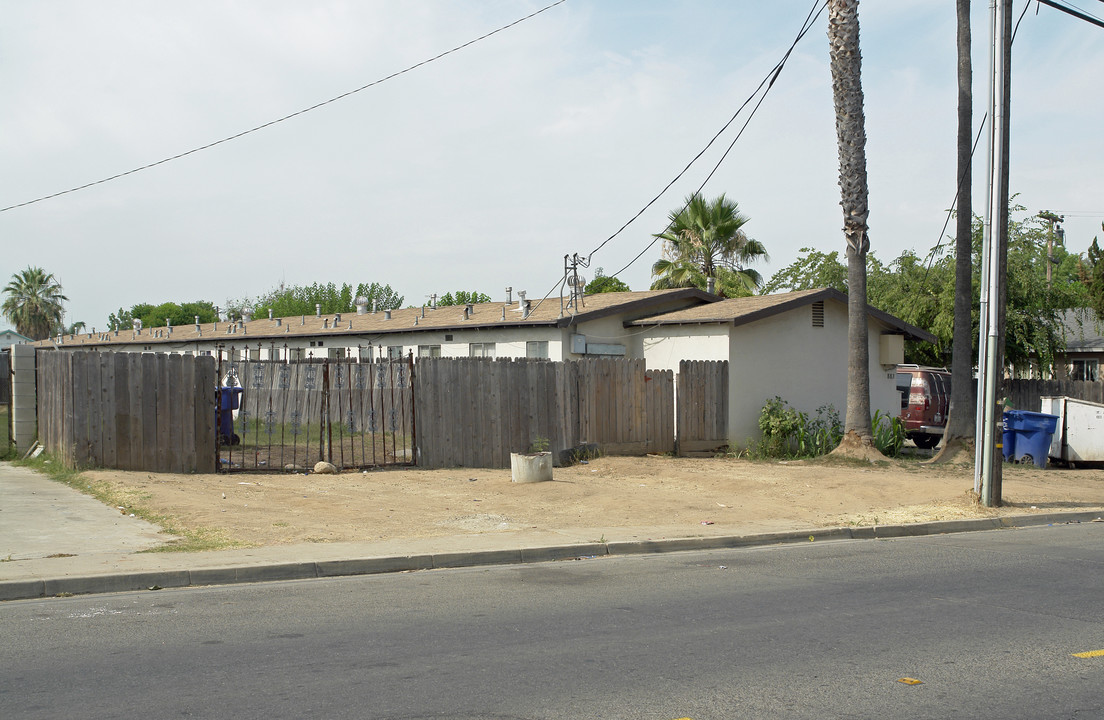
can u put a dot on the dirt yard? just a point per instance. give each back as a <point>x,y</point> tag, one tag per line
<point>615,497</point>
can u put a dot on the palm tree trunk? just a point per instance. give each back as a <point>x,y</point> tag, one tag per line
<point>846,64</point>
<point>963,404</point>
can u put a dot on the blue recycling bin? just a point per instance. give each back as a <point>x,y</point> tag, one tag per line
<point>229,397</point>
<point>1032,434</point>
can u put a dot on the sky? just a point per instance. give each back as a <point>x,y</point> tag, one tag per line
<point>482,169</point>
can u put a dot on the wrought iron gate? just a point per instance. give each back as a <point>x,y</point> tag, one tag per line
<point>288,415</point>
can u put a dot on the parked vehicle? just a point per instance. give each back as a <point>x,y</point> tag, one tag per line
<point>925,400</point>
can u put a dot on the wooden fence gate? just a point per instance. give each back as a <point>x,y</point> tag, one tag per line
<point>702,406</point>
<point>276,415</point>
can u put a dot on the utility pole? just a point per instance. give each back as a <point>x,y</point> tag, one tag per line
<point>988,476</point>
<point>1051,219</point>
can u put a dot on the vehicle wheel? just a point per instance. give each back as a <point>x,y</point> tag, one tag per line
<point>1025,460</point>
<point>926,442</point>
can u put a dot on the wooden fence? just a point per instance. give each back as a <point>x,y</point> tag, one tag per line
<point>1025,394</point>
<point>475,412</point>
<point>702,405</point>
<point>128,411</point>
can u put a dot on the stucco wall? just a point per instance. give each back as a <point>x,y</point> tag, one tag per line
<point>806,366</point>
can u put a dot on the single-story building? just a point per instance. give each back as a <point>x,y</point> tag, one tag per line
<point>793,345</point>
<point>11,337</point>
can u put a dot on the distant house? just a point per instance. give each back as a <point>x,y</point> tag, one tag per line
<point>11,337</point>
<point>793,345</point>
<point>1084,336</point>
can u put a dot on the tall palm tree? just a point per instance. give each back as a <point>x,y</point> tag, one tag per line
<point>705,239</point>
<point>846,65</point>
<point>961,420</point>
<point>33,303</point>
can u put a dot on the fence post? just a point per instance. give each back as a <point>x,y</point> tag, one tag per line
<point>24,397</point>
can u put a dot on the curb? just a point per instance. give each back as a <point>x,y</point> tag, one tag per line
<point>158,579</point>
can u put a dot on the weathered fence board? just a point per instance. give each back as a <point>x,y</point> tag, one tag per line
<point>1025,394</point>
<point>125,411</point>
<point>702,405</point>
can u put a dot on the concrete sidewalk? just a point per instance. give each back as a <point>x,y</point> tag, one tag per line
<point>56,541</point>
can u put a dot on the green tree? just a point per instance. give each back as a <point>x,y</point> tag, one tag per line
<point>462,297</point>
<point>705,239</point>
<point>1090,271</point>
<point>302,299</point>
<point>33,303</point>
<point>158,315</point>
<point>603,283</point>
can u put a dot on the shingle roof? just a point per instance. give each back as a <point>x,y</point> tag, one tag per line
<point>549,311</point>
<point>740,311</point>
<point>1083,331</point>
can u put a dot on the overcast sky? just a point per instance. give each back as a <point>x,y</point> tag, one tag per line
<point>483,169</point>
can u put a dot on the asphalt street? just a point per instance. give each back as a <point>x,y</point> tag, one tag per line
<point>989,623</point>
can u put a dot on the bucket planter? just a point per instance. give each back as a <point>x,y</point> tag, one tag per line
<point>530,467</point>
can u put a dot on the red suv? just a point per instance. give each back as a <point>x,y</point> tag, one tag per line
<point>925,399</point>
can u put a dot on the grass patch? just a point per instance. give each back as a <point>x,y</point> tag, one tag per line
<point>188,539</point>
<point>7,450</point>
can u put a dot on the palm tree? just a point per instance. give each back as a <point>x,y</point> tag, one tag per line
<point>960,422</point>
<point>846,65</point>
<point>33,303</point>
<point>705,240</point>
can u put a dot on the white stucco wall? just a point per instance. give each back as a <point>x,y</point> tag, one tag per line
<point>666,345</point>
<point>806,366</point>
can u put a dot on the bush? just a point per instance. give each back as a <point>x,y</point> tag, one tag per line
<point>790,433</point>
<point>889,433</point>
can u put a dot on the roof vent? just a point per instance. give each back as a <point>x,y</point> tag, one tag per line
<point>270,313</point>
<point>350,324</point>
<point>528,308</point>
<point>361,303</point>
<point>521,302</point>
<point>279,321</point>
<point>318,309</point>
<point>168,322</point>
<point>247,313</point>
<point>509,295</point>
<point>326,324</point>
<point>337,319</point>
<point>386,314</point>
<point>373,306</point>
<point>416,320</point>
<point>818,313</point>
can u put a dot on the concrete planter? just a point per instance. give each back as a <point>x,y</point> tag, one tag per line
<point>531,467</point>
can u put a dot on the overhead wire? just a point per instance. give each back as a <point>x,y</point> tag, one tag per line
<point>289,116</point>
<point>768,82</point>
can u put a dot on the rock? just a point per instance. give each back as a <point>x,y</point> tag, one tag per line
<point>291,467</point>
<point>324,468</point>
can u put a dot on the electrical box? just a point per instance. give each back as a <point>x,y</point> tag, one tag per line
<point>891,349</point>
<point>578,344</point>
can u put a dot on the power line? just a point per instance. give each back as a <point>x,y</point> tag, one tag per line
<point>286,117</point>
<point>1079,14</point>
<point>768,81</point>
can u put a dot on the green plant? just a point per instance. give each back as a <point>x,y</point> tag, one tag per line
<point>889,433</point>
<point>540,444</point>
<point>788,432</point>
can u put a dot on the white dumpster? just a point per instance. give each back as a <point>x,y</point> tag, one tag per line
<point>1080,433</point>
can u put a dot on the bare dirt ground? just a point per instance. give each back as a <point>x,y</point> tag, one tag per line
<point>618,497</point>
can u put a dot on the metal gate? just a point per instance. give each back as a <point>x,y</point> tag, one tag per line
<point>276,415</point>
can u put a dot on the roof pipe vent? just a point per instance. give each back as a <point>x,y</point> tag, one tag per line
<point>386,314</point>
<point>350,324</point>
<point>711,285</point>
<point>467,312</point>
<point>279,322</point>
<point>528,309</point>
<point>168,322</point>
<point>509,294</point>
<point>373,306</point>
<point>303,321</point>
<point>318,309</point>
<point>361,303</point>
<point>415,321</point>
<point>326,324</point>
<point>247,314</point>
<point>270,313</point>
<point>337,318</point>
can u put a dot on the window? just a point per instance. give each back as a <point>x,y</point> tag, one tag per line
<point>394,352</point>
<point>335,353</point>
<point>1085,370</point>
<point>429,351</point>
<point>483,350</point>
<point>295,353</point>
<point>536,349</point>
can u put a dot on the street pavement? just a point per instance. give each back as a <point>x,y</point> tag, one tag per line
<point>57,541</point>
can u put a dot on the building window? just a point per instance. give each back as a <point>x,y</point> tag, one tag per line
<point>1085,370</point>
<point>483,350</point>
<point>295,353</point>
<point>536,349</point>
<point>335,353</point>
<point>394,352</point>
<point>429,351</point>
